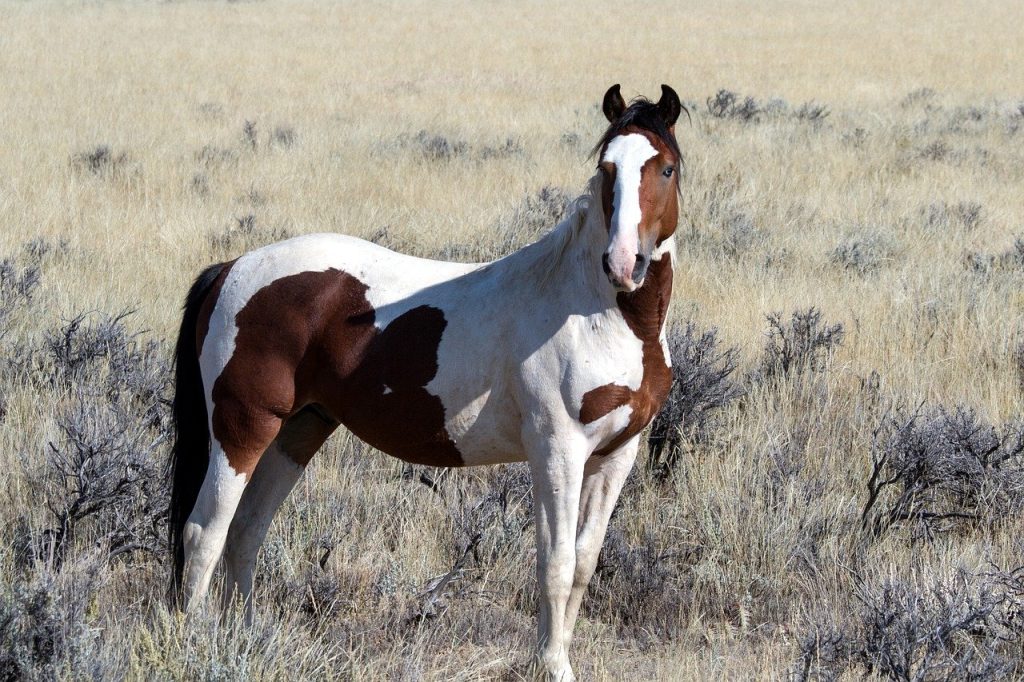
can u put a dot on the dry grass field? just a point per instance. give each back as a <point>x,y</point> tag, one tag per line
<point>832,494</point>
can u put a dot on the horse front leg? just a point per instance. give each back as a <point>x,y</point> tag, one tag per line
<point>556,465</point>
<point>603,478</point>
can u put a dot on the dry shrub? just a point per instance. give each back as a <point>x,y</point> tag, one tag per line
<point>212,156</point>
<point>726,104</point>
<point>865,253</point>
<point>96,351</point>
<point>20,277</point>
<point>17,284</point>
<point>1009,261</point>
<point>434,146</point>
<point>702,382</point>
<point>734,234</point>
<point>920,97</point>
<point>964,626</point>
<point>492,525</point>
<point>283,136</point>
<point>245,234</point>
<point>937,470</point>
<point>103,472</point>
<point>103,162</point>
<point>740,235</point>
<point>210,645</point>
<point>804,345</point>
<point>535,216</point>
<point>642,589</point>
<point>944,217</point>
<point>250,135</point>
<point>510,148</point>
<point>439,148</point>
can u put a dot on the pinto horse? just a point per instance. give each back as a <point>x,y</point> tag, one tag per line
<point>554,355</point>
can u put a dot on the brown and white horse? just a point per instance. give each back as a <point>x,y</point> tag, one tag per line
<point>554,355</point>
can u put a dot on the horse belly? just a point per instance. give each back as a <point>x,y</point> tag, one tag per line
<point>412,423</point>
<point>486,429</point>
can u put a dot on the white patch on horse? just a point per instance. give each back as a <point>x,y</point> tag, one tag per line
<point>207,526</point>
<point>628,153</point>
<point>667,247</point>
<point>273,479</point>
<point>601,432</point>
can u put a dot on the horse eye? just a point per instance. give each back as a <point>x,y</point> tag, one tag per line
<point>668,172</point>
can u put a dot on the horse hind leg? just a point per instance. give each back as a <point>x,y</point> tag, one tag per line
<point>276,474</point>
<point>230,468</point>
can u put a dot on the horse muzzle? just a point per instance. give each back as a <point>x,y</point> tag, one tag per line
<point>626,273</point>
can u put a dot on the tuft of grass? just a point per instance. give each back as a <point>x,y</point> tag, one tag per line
<point>102,161</point>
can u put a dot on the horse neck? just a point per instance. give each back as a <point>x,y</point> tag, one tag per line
<point>566,262</point>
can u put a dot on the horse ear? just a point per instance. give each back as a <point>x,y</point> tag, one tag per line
<point>613,104</point>
<point>669,105</point>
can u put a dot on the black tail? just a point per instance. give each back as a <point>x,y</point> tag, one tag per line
<point>190,456</point>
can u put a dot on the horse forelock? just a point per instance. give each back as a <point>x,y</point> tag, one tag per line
<point>641,115</point>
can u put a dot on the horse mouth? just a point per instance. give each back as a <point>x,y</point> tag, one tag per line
<point>626,286</point>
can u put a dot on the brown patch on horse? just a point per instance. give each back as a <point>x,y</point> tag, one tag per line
<point>644,310</point>
<point>309,339</point>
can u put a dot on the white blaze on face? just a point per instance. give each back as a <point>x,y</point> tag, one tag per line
<point>628,153</point>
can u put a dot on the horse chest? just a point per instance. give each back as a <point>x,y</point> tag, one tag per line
<point>615,411</point>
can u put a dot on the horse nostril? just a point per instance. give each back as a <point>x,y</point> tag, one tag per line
<point>640,260</point>
<point>604,264</point>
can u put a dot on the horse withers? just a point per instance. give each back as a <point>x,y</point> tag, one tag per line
<point>554,355</point>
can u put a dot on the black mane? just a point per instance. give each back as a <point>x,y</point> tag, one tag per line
<point>642,113</point>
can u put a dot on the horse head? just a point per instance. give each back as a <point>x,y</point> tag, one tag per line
<point>640,161</point>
